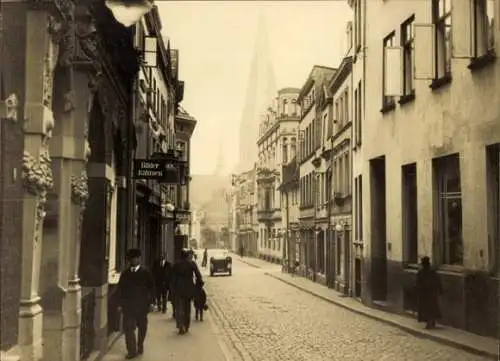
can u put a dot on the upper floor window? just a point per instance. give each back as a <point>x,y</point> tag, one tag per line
<point>441,16</point>
<point>346,106</point>
<point>357,26</point>
<point>389,42</point>
<point>325,126</point>
<point>484,40</point>
<point>408,49</point>
<point>285,108</point>
<point>285,151</point>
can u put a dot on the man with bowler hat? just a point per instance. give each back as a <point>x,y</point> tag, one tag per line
<point>136,291</point>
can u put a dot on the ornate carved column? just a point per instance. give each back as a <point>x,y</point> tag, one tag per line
<point>73,98</point>
<point>41,57</point>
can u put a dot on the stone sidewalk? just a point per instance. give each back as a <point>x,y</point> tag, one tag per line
<point>202,342</point>
<point>466,341</point>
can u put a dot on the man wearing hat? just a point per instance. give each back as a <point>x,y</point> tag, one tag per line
<point>136,290</point>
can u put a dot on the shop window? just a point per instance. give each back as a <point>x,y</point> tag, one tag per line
<point>448,209</point>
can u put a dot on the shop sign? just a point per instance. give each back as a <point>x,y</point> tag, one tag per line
<point>182,217</point>
<point>149,169</point>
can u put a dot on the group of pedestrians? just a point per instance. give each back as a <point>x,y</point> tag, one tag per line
<point>139,290</point>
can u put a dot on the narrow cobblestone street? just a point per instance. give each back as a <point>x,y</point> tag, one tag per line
<point>267,320</point>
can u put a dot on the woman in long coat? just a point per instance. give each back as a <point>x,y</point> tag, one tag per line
<point>428,291</point>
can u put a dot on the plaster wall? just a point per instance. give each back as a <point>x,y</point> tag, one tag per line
<point>461,117</point>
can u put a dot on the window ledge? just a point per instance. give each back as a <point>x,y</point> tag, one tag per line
<point>405,99</point>
<point>482,61</point>
<point>451,269</point>
<point>388,108</point>
<point>410,266</point>
<point>438,83</point>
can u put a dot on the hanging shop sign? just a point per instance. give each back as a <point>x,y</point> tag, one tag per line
<point>182,218</point>
<point>149,169</point>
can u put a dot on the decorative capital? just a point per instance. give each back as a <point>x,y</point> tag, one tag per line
<point>37,173</point>
<point>80,189</point>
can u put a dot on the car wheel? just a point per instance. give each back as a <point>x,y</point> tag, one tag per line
<point>230,273</point>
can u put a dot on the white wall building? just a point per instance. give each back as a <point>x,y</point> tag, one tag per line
<point>310,141</point>
<point>430,159</point>
<point>277,144</point>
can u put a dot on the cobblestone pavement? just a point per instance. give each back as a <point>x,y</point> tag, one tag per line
<point>267,320</point>
<point>203,342</point>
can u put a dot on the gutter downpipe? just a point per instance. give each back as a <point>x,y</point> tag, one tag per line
<point>330,265</point>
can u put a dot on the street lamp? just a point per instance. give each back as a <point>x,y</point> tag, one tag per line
<point>169,207</point>
<point>129,12</point>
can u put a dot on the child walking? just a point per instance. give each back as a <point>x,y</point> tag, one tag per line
<point>200,301</point>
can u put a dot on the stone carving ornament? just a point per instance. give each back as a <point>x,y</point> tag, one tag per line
<point>37,173</point>
<point>37,180</point>
<point>87,40</point>
<point>80,189</point>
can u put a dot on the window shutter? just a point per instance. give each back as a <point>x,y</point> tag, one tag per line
<point>425,60</point>
<point>461,32</point>
<point>393,71</point>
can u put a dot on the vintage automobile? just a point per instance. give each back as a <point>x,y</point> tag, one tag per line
<point>221,262</point>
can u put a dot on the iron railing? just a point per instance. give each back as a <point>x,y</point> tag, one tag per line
<point>87,332</point>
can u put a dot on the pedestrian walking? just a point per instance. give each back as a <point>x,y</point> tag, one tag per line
<point>184,288</point>
<point>200,301</point>
<point>205,258</point>
<point>428,289</point>
<point>162,270</point>
<point>136,291</point>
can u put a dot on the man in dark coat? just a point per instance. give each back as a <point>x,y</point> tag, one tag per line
<point>428,291</point>
<point>205,258</point>
<point>161,273</point>
<point>184,288</point>
<point>135,290</point>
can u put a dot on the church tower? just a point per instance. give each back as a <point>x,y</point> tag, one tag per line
<point>220,165</point>
<point>261,90</point>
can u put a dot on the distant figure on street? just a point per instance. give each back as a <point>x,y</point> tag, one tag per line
<point>428,290</point>
<point>205,258</point>
<point>135,289</point>
<point>193,254</point>
<point>162,270</point>
<point>184,289</point>
<point>242,251</point>
<point>200,301</point>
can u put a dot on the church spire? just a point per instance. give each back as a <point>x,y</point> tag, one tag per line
<point>261,90</point>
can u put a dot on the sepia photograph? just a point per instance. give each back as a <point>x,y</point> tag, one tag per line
<point>249,180</point>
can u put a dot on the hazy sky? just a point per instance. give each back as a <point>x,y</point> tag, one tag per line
<point>216,42</point>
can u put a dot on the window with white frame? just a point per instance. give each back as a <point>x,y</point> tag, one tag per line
<point>407,38</point>
<point>441,16</point>
<point>483,27</point>
<point>388,42</point>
